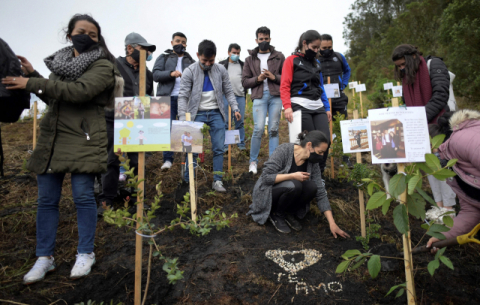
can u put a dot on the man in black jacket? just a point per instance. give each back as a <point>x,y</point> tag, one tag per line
<point>167,71</point>
<point>335,66</point>
<point>234,67</point>
<point>129,68</point>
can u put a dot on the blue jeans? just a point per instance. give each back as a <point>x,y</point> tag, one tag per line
<point>238,124</point>
<point>214,119</point>
<point>272,105</point>
<point>168,155</point>
<point>49,191</point>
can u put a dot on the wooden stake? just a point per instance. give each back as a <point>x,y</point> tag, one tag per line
<point>407,243</point>
<point>360,192</point>
<point>229,146</point>
<point>141,186</point>
<point>332,168</point>
<point>353,91</point>
<point>35,112</point>
<point>193,202</point>
<point>361,102</point>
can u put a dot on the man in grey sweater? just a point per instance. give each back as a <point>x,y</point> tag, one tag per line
<point>201,93</point>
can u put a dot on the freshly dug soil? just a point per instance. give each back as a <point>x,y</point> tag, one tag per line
<point>223,267</point>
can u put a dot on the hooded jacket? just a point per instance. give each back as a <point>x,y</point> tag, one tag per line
<point>73,133</point>
<point>251,71</point>
<point>165,64</point>
<point>464,145</point>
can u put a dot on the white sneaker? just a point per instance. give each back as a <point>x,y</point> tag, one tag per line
<point>166,165</point>
<point>122,177</point>
<point>218,186</point>
<point>38,271</point>
<point>83,265</point>
<point>253,168</point>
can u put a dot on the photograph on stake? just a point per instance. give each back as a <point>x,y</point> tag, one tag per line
<point>159,107</point>
<point>125,108</point>
<point>355,136</point>
<point>187,137</point>
<point>399,135</point>
<point>134,131</point>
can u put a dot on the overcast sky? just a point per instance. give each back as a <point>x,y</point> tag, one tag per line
<point>33,28</point>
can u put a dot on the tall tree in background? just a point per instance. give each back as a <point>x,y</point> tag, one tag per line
<point>460,36</point>
<point>445,28</point>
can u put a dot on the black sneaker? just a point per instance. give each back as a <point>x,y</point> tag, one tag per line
<point>279,223</point>
<point>293,222</point>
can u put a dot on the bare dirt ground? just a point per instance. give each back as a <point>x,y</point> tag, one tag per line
<point>224,267</point>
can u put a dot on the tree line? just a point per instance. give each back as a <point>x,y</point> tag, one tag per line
<point>449,29</point>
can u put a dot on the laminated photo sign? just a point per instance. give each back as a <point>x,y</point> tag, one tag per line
<point>355,135</point>
<point>397,91</point>
<point>352,85</point>
<point>142,124</point>
<point>399,134</point>
<point>332,90</point>
<point>360,88</point>
<point>187,137</point>
<point>295,127</point>
<point>387,86</point>
<point>232,137</point>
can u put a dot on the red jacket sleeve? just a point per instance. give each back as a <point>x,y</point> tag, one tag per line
<point>286,83</point>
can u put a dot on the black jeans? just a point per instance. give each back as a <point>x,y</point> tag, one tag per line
<point>315,120</point>
<point>110,178</point>
<point>292,196</point>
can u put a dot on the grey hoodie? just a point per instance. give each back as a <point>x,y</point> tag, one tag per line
<point>191,88</point>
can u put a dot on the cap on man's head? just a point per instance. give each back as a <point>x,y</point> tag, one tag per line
<point>135,38</point>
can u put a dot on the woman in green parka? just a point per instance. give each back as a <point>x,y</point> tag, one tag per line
<point>73,137</point>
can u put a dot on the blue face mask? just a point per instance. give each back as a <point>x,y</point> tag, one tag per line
<point>149,57</point>
<point>234,57</point>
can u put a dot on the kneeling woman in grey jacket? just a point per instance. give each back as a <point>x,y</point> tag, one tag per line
<point>290,180</point>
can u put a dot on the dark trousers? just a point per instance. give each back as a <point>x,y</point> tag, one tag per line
<point>341,110</point>
<point>315,120</point>
<point>292,196</point>
<point>168,155</point>
<point>110,178</point>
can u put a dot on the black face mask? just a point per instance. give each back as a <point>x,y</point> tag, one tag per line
<point>179,49</point>
<point>83,42</point>
<point>310,54</point>
<point>264,46</point>
<point>326,52</point>
<point>135,55</point>
<point>314,157</point>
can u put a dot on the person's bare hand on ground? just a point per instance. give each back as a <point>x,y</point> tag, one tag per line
<point>336,230</point>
